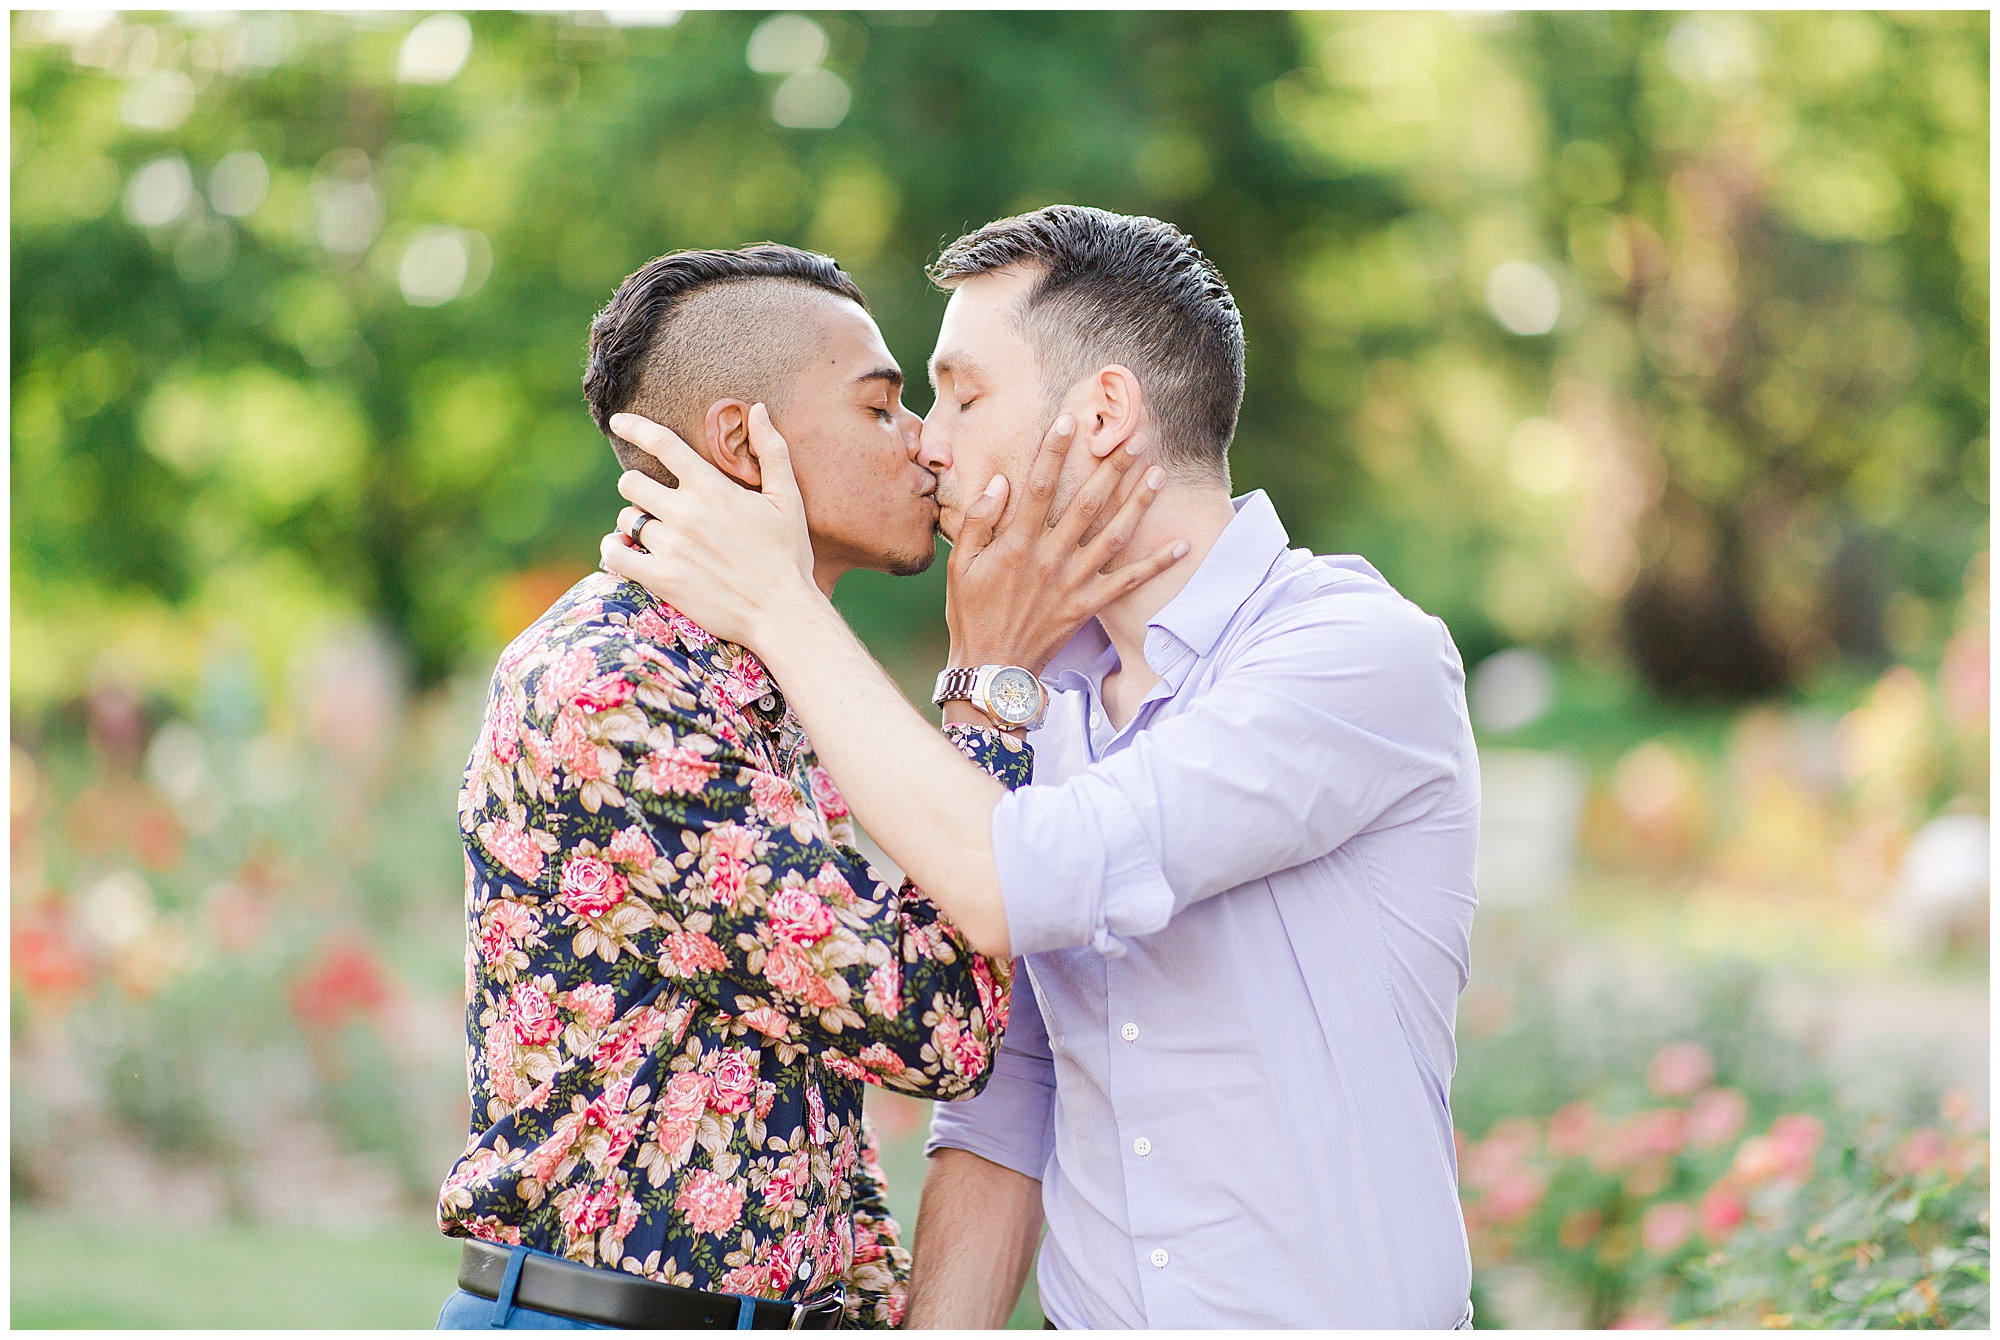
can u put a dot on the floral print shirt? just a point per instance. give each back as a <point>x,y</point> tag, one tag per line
<point>680,973</point>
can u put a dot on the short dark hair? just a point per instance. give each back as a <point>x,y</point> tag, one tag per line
<point>650,353</point>
<point>1130,289</point>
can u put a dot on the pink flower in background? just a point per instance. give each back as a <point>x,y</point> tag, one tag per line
<point>1639,1320</point>
<point>590,887</point>
<point>1665,1227</point>
<point>1680,1069</point>
<point>1920,1151</point>
<point>1515,1195</point>
<point>1501,1154</point>
<point>1571,1128</point>
<point>1716,1117</point>
<point>1722,1211</point>
<point>1797,1136</point>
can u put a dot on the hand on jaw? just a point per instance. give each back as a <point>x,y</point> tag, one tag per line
<point>1023,580</point>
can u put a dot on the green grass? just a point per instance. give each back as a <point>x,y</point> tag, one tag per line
<point>68,1274</point>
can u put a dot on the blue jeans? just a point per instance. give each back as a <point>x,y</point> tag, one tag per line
<point>469,1312</point>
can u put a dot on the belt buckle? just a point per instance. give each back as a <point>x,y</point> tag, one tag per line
<point>834,1303</point>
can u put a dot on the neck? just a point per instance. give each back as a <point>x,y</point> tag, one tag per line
<point>828,571</point>
<point>1197,513</point>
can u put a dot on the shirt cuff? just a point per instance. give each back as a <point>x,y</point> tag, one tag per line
<point>1002,757</point>
<point>1077,868</point>
<point>1010,1122</point>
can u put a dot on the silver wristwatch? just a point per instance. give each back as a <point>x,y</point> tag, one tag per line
<point>1008,694</point>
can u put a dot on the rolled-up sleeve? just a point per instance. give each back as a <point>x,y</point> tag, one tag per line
<point>1012,1121</point>
<point>1338,720</point>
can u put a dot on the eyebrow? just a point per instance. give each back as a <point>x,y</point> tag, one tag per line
<point>957,364</point>
<point>893,376</point>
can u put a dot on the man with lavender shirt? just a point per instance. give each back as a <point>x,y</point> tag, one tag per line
<point>1241,884</point>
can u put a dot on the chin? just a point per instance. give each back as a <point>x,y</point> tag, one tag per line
<point>909,564</point>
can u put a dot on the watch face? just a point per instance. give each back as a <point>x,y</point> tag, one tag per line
<point>1015,696</point>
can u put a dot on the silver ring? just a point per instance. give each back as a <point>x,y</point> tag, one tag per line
<point>637,524</point>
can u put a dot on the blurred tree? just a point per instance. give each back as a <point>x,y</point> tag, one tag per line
<point>1661,332</point>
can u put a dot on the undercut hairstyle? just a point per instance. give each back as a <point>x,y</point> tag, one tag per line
<point>1122,288</point>
<point>694,327</point>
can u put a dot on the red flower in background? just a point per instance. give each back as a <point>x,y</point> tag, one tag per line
<point>344,982</point>
<point>46,963</point>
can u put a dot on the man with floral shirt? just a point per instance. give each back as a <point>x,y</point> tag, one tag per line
<point>680,972</point>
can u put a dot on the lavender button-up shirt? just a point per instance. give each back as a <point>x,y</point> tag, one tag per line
<point>1245,920</point>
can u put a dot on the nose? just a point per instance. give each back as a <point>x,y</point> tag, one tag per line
<point>933,450</point>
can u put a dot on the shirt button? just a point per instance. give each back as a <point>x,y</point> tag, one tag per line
<point>1159,1258</point>
<point>1130,1032</point>
<point>768,701</point>
<point>1142,1146</point>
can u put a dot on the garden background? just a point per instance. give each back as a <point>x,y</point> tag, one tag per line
<point>1651,351</point>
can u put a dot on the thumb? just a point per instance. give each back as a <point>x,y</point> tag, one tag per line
<point>774,459</point>
<point>975,532</point>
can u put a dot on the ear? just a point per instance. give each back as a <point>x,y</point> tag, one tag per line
<point>1108,414</point>
<point>725,431</point>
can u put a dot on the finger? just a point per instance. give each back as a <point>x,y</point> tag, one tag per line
<point>615,554</point>
<point>666,445</point>
<point>629,519</point>
<point>1086,511</point>
<point>774,456</point>
<point>1120,582</point>
<point>1038,495</point>
<point>975,532</point>
<point>1108,547</point>
<point>649,495</point>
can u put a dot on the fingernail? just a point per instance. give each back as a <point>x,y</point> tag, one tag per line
<point>1134,445</point>
<point>1180,550</point>
<point>998,483</point>
<point>1155,477</point>
<point>1065,425</point>
<point>618,420</point>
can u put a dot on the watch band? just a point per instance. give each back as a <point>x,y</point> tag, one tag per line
<point>954,684</point>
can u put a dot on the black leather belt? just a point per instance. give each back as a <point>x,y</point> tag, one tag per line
<point>618,1298</point>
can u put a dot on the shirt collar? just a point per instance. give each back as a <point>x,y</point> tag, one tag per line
<point>1233,568</point>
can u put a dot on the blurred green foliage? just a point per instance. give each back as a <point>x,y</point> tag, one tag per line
<point>1652,338</point>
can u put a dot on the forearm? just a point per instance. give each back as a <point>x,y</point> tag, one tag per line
<point>977,1230</point>
<point>907,786</point>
